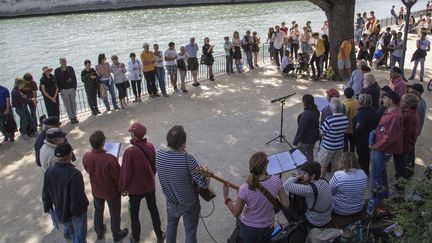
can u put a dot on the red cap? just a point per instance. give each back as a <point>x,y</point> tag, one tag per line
<point>138,130</point>
<point>333,93</point>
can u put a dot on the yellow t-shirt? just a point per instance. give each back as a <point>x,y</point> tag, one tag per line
<point>145,57</point>
<point>351,107</point>
<point>345,50</point>
<point>319,47</point>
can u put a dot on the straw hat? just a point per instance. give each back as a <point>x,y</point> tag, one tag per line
<point>46,69</point>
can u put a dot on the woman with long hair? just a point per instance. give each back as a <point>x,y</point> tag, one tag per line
<point>104,71</point>
<point>237,56</point>
<point>348,186</point>
<point>308,127</point>
<point>269,39</point>
<point>254,208</point>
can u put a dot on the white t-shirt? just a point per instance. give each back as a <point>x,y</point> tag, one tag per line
<point>278,39</point>
<point>159,60</point>
<point>423,43</point>
<point>284,64</point>
<point>398,47</point>
<point>170,53</point>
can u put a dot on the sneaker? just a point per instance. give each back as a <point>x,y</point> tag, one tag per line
<point>165,95</point>
<point>102,235</point>
<point>196,84</point>
<point>411,78</point>
<point>212,78</point>
<point>162,239</point>
<point>184,90</point>
<point>120,235</point>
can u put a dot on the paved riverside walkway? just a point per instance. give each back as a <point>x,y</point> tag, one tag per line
<point>226,122</point>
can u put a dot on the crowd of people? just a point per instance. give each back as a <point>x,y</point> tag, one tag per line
<point>357,135</point>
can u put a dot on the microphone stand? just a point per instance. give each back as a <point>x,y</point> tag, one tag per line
<point>281,137</point>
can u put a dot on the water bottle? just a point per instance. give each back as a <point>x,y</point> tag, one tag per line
<point>371,207</point>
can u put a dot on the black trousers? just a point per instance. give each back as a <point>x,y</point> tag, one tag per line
<point>404,167</point>
<point>315,61</point>
<point>53,109</point>
<point>136,87</point>
<point>32,109</point>
<point>278,55</point>
<point>134,204</point>
<point>294,50</point>
<point>363,156</point>
<point>348,142</point>
<point>92,100</point>
<point>114,206</point>
<point>122,93</point>
<point>150,77</point>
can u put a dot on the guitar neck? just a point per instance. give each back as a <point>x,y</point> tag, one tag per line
<point>233,186</point>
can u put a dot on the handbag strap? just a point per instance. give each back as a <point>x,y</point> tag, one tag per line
<point>146,155</point>
<point>268,195</point>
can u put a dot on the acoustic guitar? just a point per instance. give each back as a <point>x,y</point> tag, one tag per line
<point>217,178</point>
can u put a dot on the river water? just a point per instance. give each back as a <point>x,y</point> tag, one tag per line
<point>27,44</point>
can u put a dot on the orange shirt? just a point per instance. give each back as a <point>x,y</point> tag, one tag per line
<point>345,50</point>
<point>147,56</point>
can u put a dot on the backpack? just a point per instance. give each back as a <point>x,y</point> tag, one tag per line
<point>298,203</point>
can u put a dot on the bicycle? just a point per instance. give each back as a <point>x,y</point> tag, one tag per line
<point>429,85</point>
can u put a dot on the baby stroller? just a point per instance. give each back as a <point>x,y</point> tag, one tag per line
<point>303,64</point>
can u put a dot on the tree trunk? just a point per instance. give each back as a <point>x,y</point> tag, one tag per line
<point>340,16</point>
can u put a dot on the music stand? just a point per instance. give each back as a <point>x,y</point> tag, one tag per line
<point>281,137</point>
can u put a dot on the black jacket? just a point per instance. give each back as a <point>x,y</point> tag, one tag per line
<point>65,79</point>
<point>364,122</point>
<point>374,91</point>
<point>308,127</point>
<point>64,188</point>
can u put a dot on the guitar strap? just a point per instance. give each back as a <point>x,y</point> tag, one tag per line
<point>269,196</point>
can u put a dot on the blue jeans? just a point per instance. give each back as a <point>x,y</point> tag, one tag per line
<point>110,84</point>
<point>25,120</point>
<point>249,58</point>
<point>255,235</point>
<point>422,63</point>
<point>190,214</point>
<point>160,75</point>
<point>380,186</point>
<point>78,228</point>
<point>357,35</point>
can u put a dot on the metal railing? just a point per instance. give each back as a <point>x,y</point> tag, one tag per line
<point>219,67</point>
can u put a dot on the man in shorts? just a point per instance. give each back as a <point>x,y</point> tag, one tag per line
<point>344,61</point>
<point>333,131</point>
<point>192,60</point>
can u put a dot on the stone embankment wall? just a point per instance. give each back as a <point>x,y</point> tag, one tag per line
<point>16,8</point>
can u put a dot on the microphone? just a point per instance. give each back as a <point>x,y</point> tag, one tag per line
<point>282,98</point>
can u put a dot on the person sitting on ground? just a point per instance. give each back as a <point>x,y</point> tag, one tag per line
<point>333,130</point>
<point>256,212</point>
<point>356,80</point>
<point>287,64</point>
<point>319,207</point>
<point>351,106</point>
<point>104,171</point>
<point>308,127</point>
<point>63,191</point>
<point>348,186</point>
<point>54,137</point>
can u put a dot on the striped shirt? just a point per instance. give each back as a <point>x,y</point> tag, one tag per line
<point>348,189</point>
<point>258,211</point>
<point>178,177</point>
<point>320,215</point>
<point>333,129</point>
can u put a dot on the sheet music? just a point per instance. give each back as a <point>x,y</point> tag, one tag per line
<point>321,102</point>
<point>113,148</point>
<point>285,161</point>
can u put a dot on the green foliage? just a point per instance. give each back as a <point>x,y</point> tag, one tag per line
<point>414,212</point>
